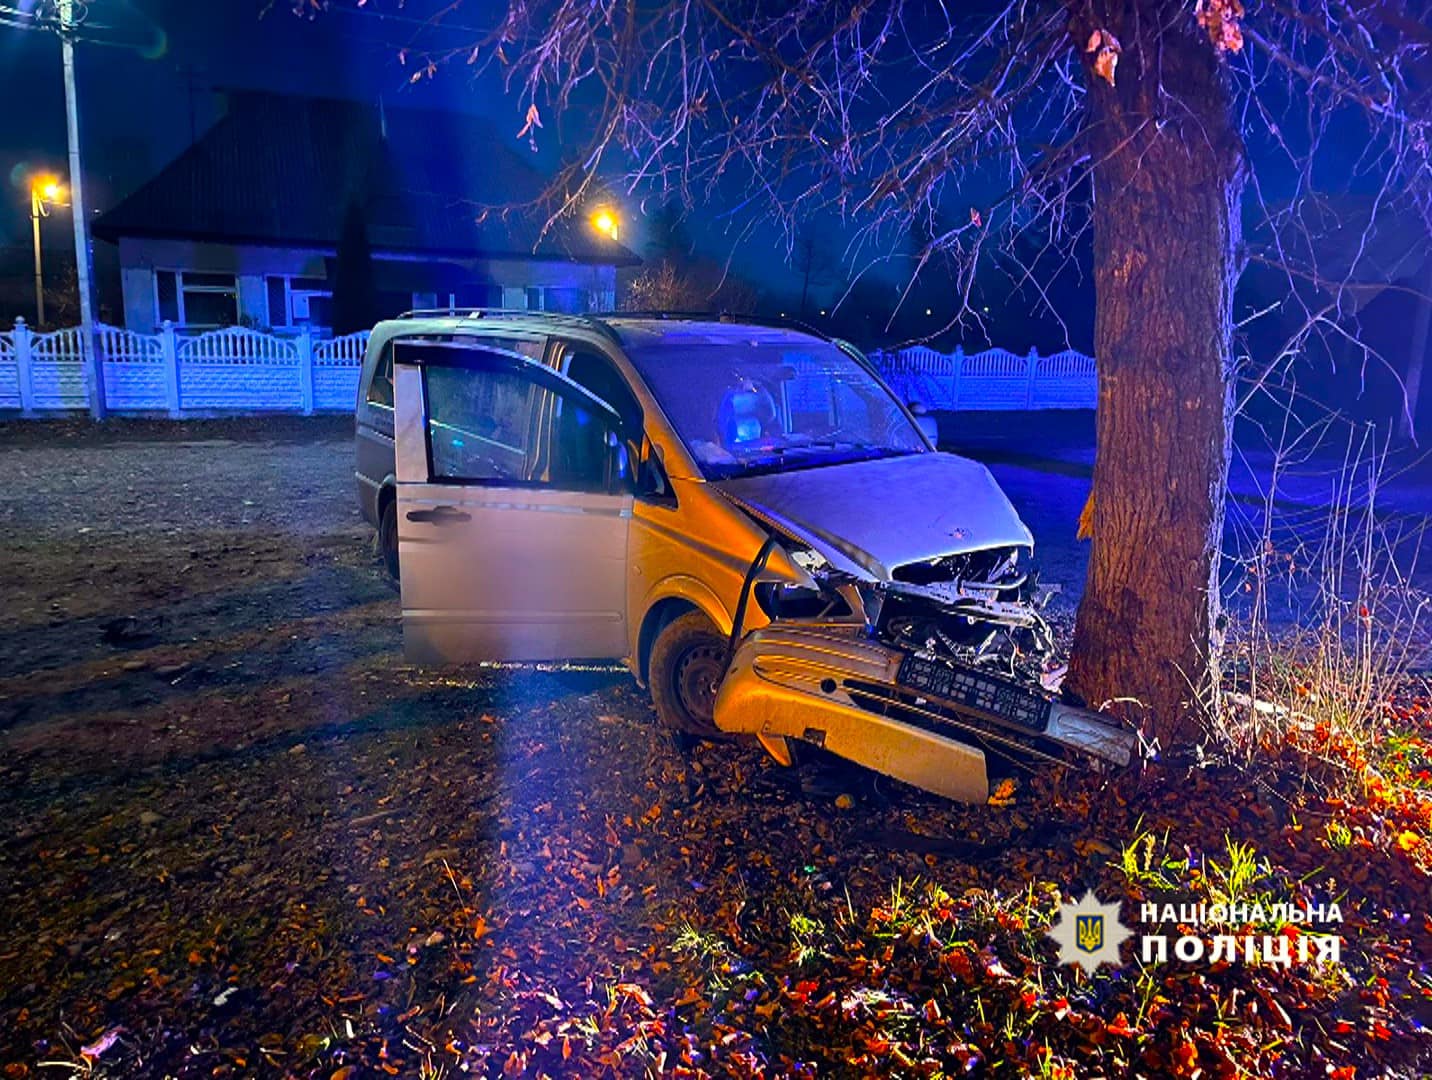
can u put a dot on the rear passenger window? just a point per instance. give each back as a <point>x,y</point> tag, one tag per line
<point>380,390</point>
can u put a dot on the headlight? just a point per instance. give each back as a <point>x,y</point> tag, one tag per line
<point>782,600</point>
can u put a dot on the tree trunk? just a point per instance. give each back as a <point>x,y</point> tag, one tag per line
<point>1168,179</point>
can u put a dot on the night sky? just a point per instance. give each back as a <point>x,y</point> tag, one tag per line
<point>136,99</point>
<point>141,99</point>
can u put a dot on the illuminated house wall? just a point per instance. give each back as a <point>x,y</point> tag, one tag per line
<point>261,286</point>
<point>242,228</point>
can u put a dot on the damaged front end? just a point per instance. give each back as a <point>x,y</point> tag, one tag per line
<point>930,674</point>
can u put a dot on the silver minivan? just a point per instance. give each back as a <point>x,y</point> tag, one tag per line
<point>741,512</point>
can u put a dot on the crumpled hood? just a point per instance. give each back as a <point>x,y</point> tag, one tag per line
<point>888,512</point>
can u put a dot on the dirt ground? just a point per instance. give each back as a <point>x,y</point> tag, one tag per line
<point>237,826</point>
<point>242,837</point>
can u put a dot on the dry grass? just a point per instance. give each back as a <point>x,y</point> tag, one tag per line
<point>1327,641</point>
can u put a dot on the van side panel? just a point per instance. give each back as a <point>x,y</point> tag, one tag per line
<point>373,431</point>
<point>697,550</point>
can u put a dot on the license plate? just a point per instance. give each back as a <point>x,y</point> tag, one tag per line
<point>975,691</point>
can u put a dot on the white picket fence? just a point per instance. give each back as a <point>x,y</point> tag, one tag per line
<point>240,370</point>
<point>994,379</point>
<point>230,370</point>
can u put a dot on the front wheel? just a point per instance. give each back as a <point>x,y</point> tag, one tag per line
<point>688,662</point>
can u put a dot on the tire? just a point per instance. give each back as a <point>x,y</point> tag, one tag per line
<point>688,660</point>
<point>388,538</point>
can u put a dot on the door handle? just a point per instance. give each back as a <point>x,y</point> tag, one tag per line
<point>440,515</point>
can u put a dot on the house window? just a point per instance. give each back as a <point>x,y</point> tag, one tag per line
<point>194,298</point>
<point>460,298</point>
<point>276,289</point>
<point>482,296</point>
<point>567,301</point>
<point>299,301</point>
<point>557,298</point>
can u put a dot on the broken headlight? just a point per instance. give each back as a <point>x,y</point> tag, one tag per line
<point>782,600</point>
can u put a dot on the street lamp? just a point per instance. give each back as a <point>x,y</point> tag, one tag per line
<point>605,222</point>
<point>44,191</point>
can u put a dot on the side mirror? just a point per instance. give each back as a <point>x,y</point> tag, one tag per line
<point>917,408</point>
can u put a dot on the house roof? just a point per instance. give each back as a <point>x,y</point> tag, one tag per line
<point>281,171</point>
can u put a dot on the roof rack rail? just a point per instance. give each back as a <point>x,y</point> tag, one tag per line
<point>718,316</point>
<point>559,318</point>
<point>476,312</point>
<point>597,320</point>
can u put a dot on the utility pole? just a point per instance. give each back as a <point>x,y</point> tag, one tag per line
<point>89,351</point>
<point>36,212</point>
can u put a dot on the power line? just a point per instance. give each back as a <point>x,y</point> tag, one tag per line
<point>20,19</point>
<point>413,20</point>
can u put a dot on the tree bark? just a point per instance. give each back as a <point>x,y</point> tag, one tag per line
<point>1168,178</point>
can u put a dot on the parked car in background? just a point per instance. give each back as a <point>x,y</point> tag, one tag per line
<point>743,513</point>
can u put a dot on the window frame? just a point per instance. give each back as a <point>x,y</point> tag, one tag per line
<point>474,354</point>
<point>289,294</point>
<point>565,350</point>
<point>540,294</point>
<point>382,370</point>
<point>180,289</point>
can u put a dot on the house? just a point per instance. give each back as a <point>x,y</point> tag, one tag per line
<point>243,227</point>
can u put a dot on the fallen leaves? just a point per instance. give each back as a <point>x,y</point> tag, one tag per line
<point>1003,794</point>
<point>518,868</point>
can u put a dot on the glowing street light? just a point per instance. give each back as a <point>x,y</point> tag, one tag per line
<point>44,191</point>
<point>605,222</point>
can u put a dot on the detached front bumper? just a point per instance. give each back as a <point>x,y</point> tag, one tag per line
<point>924,722</point>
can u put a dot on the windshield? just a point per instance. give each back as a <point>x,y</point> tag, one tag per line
<point>746,407</point>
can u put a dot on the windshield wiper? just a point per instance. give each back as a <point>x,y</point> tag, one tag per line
<point>776,460</point>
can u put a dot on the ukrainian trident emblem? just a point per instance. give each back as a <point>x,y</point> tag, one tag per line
<point>1090,929</point>
<point>1089,933</point>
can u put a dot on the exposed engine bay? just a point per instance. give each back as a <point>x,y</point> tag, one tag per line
<point>980,608</point>
<point>951,654</point>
